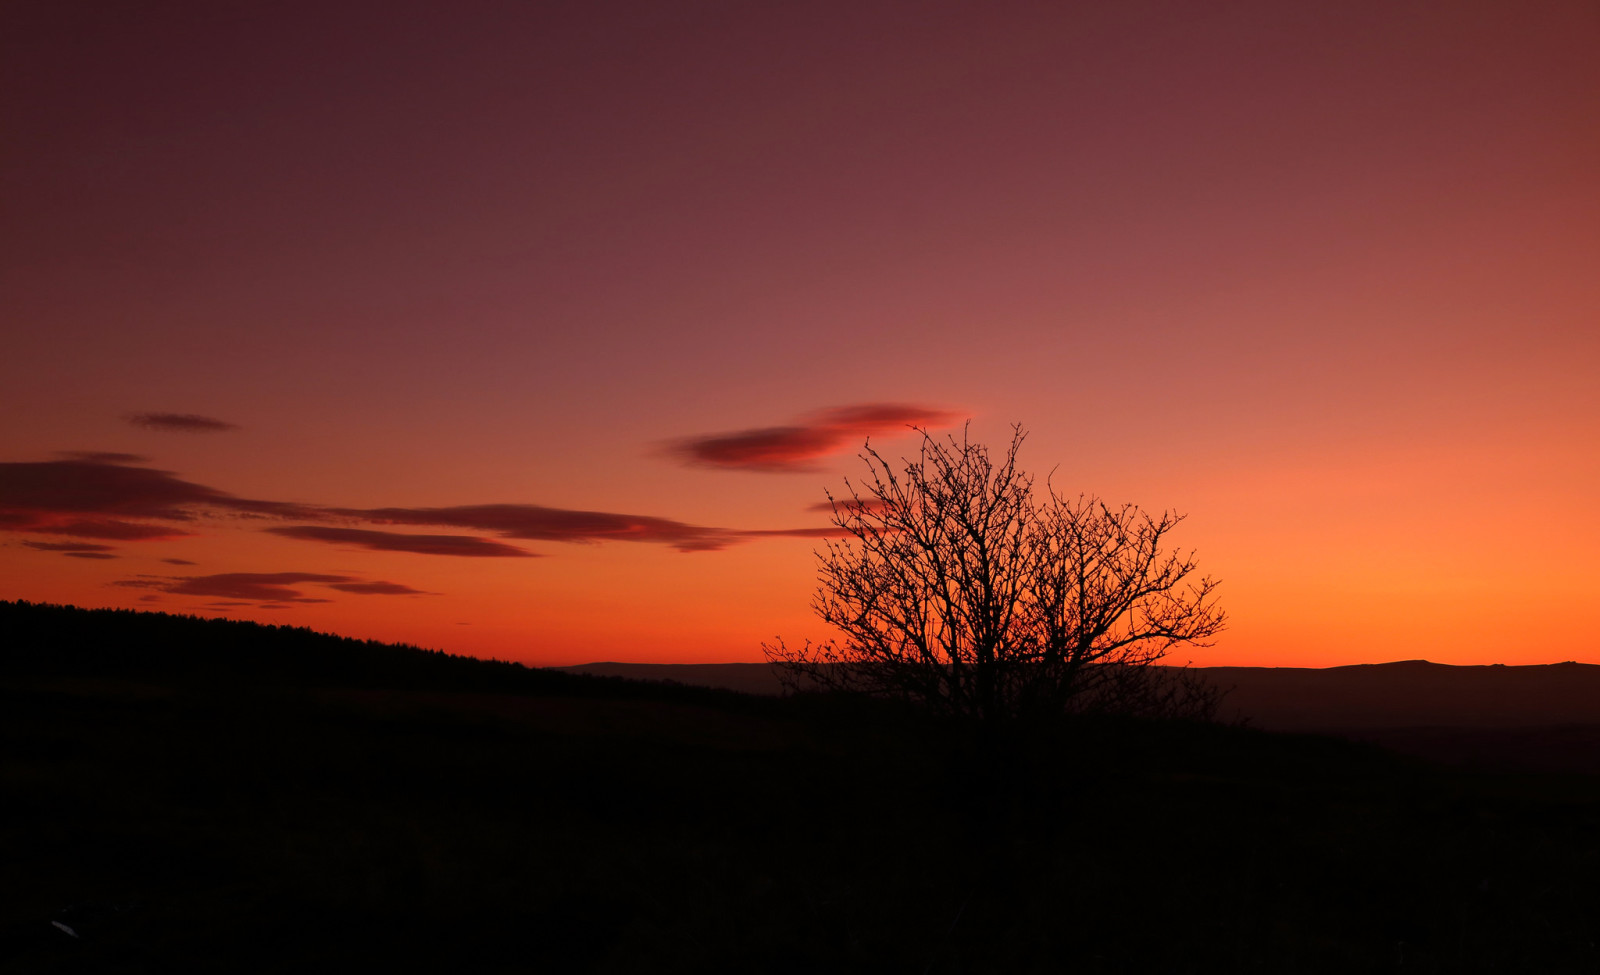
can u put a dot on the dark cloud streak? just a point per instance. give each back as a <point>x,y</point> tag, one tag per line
<point>180,422</point>
<point>112,501</point>
<point>847,505</point>
<point>266,587</point>
<point>101,457</point>
<point>462,545</point>
<point>98,499</point>
<point>538,523</point>
<point>74,550</point>
<point>377,589</point>
<point>68,546</point>
<point>254,586</point>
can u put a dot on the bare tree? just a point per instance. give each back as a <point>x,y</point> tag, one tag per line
<point>960,586</point>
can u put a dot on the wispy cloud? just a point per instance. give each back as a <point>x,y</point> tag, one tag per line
<point>101,456</point>
<point>538,523</point>
<point>74,550</point>
<point>847,505</point>
<point>463,545</point>
<point>266,587</point>
<point>797,447</point>
<point>107,528</point>
<point>261,586</point>
<point>68,546</point>
<point>180,422</point>
<point>377,589</point>
<point>825,532</point>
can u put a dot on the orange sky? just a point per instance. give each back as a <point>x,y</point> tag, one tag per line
<point>1321,276</point>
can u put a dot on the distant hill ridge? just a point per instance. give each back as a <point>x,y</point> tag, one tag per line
<point>1406,693</point>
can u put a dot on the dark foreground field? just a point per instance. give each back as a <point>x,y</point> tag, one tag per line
<point>188,795</point>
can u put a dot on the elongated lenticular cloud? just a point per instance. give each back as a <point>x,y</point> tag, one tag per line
<point>256,586</point>
<point>68,546</point>
<point>538,523</point>
<point>101,456</point>
<point>534,522</point>
<point>107,528</point>
<point>83,487</point>
<point>797,447</point>
<point>465,545</point>
<point>266,587</point>
<point>95,499</point>
<point>74,550</point>
<point>180,422</point>
<point>111,501</point>
<point>377,589</point>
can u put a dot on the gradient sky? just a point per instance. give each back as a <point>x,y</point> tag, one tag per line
<point>537,330</point>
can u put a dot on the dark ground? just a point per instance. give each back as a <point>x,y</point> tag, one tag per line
<point>189,795</point>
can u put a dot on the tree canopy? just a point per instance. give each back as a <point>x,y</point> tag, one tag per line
<point>962,583</point>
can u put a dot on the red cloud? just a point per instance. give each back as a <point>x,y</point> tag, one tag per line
<point>180,422</point>
<point>797,446</point>
<point>467,545</point>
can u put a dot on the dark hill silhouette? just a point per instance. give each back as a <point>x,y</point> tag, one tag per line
<point>45,640</point>
<point>42,639</point>
<point>179,794</point>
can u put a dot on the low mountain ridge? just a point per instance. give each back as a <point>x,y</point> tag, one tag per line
<point>1358,697</point>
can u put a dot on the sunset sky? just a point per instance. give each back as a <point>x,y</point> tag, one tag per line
<point>538,330</point>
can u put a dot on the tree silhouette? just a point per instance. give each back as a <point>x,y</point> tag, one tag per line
<point>961,584</point>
